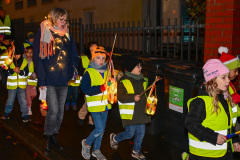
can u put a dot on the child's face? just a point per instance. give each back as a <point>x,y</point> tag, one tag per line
<point>137,69</point>
<point>31,40</point>
<point>7,42</point>
<point>223,82</point>
<point>100,60</point>
<point>233,73</point>
<point>17,56</point>
<point>29,53</point>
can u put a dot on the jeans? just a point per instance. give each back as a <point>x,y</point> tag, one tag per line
<point>72,92</point>
<point>138,130</point>
<point>100,119</point>
<point>21,95</point>
<point>56,97</point>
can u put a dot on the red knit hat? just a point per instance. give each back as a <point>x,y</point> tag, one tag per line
<point>227,59</point>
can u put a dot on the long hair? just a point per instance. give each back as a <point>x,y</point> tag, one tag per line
<point>213,91</point>
<point>54,14</point>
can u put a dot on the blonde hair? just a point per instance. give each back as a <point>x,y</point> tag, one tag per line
<point>213,91</point>
<point>54,14</point>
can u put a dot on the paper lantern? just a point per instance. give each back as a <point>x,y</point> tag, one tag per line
<point>151,105</point>
<point>112,91</point>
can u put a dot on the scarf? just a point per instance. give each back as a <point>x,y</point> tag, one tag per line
<point>99,68</point>
<point>134,76</point>
<point>47,42</point>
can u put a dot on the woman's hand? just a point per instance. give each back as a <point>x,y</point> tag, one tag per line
<point>221,139</point>
<point>42,87</point>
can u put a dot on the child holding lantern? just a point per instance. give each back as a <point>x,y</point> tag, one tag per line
<point>94,87</point>
<point>210,115</point>
<point>132,107</point>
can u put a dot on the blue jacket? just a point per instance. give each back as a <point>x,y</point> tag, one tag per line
<point>60,75</point>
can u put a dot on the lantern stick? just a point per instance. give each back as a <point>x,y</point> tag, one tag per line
<point>231,135</point>
<point>157,79</point>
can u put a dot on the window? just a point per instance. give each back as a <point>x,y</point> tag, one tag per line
<point>7,1</point>
<point>18,4</point>
<point>45,1</point>
<point>31,3</point>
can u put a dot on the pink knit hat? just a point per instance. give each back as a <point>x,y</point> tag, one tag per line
<point>214,68</point>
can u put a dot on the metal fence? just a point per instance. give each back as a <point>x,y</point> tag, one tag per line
<point>173,41</point>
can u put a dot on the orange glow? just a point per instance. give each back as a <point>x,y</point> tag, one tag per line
<point>112,91</point>
<point>44,104</point>
<point>151,105</point>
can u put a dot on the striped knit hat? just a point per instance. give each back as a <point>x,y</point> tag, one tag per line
<point>227,59</point>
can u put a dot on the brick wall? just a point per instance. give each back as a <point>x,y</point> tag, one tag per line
<point>222,28</point>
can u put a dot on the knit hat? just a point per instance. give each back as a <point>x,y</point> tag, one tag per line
<point>98,50</point>
<point>130,63</point>
<point>214,68</point>
<point>30,35</point>
<point>227,59</point>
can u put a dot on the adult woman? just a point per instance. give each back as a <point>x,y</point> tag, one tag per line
<point>54,56</point>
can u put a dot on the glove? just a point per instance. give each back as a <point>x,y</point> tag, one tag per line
<point>103,87</point>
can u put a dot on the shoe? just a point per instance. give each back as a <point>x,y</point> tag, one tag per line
<point>113,142</point>
<point>85,150</point>
<point>67,107</point>
<point>185,156</point>
<point>55,142</point>
<point>6,116</point>
<point>138,155</point>
<point>47,145</point>
<point>81,122</point>
<point>74,107</point>
<point>25,119</point>
<point>29,111</point>
<point>98,154</point>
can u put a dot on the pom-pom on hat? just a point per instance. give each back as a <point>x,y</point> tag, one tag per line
<point>214,68</point>
<point>130,63</point>
<point>227,59</point>
<point>98,50</point>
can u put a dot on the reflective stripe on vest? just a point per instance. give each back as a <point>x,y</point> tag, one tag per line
<point>6,26</point>
<point>4,55</point>
<point>15,80</point>
<point>77,82</point>
<point>97,103</point>
<point>32,82</point>
<point>127,109</point>
<point>216,122</point>
<point>85,61</point>
<point>235,109</point>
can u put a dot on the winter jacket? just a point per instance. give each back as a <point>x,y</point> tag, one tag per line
<point>139,115</point>
<point>59,75</point>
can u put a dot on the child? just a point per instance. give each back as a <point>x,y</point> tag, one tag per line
<point>31,91</point>
<point>85,62</point>
<point>209,118</point>
<point>94,87</point>
<point>29,41</point>
<point>16,84</point>
<point>132,107</point>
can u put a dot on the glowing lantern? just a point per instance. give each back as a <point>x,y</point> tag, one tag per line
<point>7,63</point>
<point>112,91</point>
<point>151,105</point>
<point>43,107</point>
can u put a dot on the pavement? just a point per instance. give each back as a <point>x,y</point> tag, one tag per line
<point>154,147</point>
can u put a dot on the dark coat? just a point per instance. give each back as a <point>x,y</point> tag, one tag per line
<point>139,115</point>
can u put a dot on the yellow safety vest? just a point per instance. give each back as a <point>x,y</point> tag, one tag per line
<point>127,109</point>
<point>31,70</point>
<point>6,26</point>
<point>218,123</point>
<point>16,80</point>
<point>235,109</point>
<point>97,103</point>
<point>3,56</point>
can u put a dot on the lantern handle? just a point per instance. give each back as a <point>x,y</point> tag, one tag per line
<point>157,79</point>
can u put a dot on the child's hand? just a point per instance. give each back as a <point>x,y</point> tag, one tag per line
<point>17,70</point>
<point>136,98</point>
<point>236,147</point>
<point>221,139</point>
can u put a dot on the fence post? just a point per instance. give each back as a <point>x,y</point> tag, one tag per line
<point>80,36</point>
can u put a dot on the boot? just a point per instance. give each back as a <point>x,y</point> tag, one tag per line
<point>55,143</point>
<point>47,145</point>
